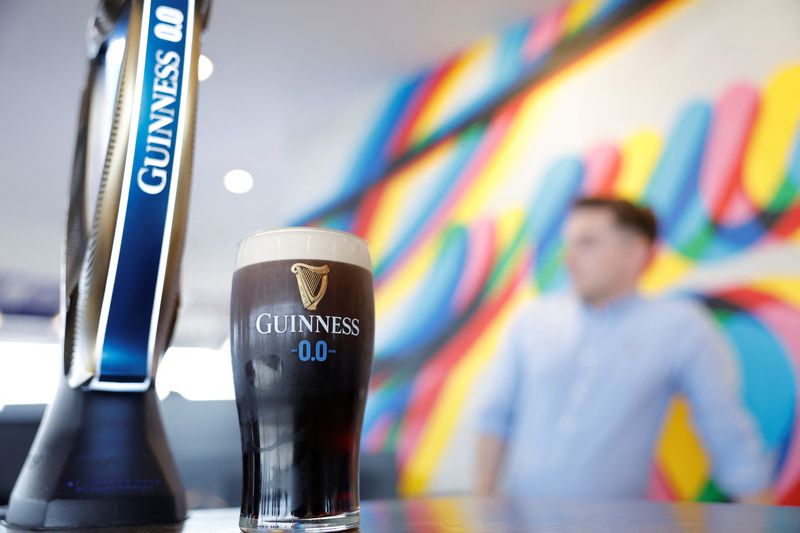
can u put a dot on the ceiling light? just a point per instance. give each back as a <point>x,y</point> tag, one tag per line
<point>238,181</point>
<point>204,68</point>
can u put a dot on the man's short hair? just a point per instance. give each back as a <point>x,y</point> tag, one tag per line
<point>639,219</point>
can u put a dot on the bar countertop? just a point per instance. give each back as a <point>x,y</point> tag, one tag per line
<point>483,515</point>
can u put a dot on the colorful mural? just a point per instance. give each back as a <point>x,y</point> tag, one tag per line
<point>428,105</point>
<point>449,271</point>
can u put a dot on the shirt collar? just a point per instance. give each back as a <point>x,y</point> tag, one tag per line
<point>613,308</point>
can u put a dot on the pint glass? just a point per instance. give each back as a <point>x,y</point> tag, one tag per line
<point>302,329</point>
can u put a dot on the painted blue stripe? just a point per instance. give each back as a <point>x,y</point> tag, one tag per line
<point>372,160</point>
<point>560,187</point>
<point>390,401</point>
<point>431,303</point>
<point>467,145</point>
<point>509,56</point>
<point>768,385</point>
<point>675,178</point>
<point>606,10</point>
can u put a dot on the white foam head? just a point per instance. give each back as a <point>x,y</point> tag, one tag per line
<point>303,243</point>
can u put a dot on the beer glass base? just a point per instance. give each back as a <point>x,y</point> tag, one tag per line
<point>325,524</point>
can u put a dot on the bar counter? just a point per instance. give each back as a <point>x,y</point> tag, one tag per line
<point>505,514</point>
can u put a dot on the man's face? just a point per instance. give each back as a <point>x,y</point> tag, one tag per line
<point>602,257</point>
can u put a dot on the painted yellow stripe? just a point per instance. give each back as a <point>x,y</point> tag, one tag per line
<point>416,478</point>
<point>578,14</point>
<point>388,210</point>
<point>397,195</point>
<point>515,143</point>
<point>784,289</point>
<point>620,39</point>
<point>680,454</point>
<point>640,154</point>
<point>667,268</point>
<point>768,153</point>
<point>408,277</point>
<point>508,226</point>
<point>445,93</point>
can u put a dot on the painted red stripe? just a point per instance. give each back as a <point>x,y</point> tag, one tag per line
<point>367,209</point>
<point>602,164</point>
<point>659,488</point>
<point>481,254</point>
<point>788,223</point>
<point>791,497</point>
<point>495,133</point>
<point>745,297</point>
<point>400,138</point>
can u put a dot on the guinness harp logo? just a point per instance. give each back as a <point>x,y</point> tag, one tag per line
<point>312,282</point>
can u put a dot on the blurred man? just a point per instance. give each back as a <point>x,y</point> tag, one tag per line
<point>574,402</point>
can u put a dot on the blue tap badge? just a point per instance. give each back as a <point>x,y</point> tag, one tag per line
<point>133,294</point>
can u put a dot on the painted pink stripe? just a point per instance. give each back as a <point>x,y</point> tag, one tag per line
<point>398,142</point>
<point>377,436</point>
<point>480,255</point>
<point>602,166</point>
<point>494,135</point>
<point>658,488</point>
<point>545,34</point>
<point>720,172</point>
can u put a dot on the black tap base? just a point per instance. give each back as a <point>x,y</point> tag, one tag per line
<point>100,459</point>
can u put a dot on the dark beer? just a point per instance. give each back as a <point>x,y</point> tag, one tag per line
<point>302,339</point>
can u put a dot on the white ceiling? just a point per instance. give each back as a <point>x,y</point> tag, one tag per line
<point>293,81</point>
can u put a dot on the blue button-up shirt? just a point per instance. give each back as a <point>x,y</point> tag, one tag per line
<point>579,394</point>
